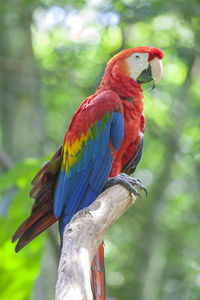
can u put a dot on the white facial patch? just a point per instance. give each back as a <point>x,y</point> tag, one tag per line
<point>137,63</point>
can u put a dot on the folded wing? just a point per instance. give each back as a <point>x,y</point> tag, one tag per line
<point>79,169</point>
<point>90,145</point>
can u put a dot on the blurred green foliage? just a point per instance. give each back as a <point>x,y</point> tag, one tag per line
<point>52,56</point>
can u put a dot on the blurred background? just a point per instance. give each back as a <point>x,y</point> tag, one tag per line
<point>52,55</point>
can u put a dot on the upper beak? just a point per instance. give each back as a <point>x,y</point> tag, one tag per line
<point>153,72</point>
<point>156,69</point>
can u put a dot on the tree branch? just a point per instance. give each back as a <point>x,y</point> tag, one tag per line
<point>82,237</point>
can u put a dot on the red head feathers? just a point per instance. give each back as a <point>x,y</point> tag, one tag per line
<point>129,68</point>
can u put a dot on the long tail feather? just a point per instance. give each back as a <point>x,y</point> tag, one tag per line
<point>98,275</point>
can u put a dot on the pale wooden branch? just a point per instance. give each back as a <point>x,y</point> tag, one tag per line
<point>82,237</point>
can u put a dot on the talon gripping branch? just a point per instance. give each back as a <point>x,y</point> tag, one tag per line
<point>104,139</point>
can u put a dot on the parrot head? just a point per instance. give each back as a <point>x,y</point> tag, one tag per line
<point>142,64</point>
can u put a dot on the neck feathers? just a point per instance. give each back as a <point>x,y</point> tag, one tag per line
<point>117,79</point>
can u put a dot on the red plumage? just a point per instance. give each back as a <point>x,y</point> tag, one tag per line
<point>116,81</point>
<point>98,274</point>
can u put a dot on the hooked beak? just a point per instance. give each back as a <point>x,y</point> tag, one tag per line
<point>153,72</point>
<point>157,70</point>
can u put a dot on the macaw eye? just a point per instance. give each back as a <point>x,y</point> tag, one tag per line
<point>137,57</point>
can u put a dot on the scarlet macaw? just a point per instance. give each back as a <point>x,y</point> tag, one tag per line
<point>104,139</point>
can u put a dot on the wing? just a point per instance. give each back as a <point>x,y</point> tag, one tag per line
<point>45,182</point>
<point>42,215</point>
<point>93,138</point>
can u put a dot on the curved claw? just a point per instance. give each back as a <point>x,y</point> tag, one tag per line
<point>127,181</point>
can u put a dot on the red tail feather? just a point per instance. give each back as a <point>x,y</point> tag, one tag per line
<point>98,275</point>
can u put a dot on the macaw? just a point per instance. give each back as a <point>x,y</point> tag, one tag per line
<point>102,147</point>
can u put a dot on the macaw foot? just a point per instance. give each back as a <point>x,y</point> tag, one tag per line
<point>127,181</point>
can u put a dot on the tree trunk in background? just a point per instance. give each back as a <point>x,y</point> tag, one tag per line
<point>21,118</point>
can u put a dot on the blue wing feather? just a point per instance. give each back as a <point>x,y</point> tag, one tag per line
<point>117,129</point>
<point>79,186</point>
